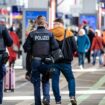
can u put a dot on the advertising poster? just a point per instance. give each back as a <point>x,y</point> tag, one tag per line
<point>91,19</point>
<point>30,17</point>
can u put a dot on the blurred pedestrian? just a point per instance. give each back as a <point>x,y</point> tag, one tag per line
<point>97,47</point>
<point>29,27</point>
<point>91,35</point>
<point>13,50</point>
<point>83,45</point>
<point>19,30</point>
<point>5,41</point>
<point>39,43</point>
<point>67,43</point>
<point>85,26</point>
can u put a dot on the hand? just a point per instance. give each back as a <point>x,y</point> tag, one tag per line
<point>86,50</point>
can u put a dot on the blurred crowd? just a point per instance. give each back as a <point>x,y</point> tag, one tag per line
<point>90,45</point>
<point>90,42</point>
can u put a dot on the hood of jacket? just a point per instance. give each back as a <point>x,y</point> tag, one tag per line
<point>82,34</point>
<point>59,32</point>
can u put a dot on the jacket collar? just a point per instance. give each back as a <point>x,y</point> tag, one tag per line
<point>40,27</point>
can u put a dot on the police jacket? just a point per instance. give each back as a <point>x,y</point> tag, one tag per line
<point>5,39</point>
<point>40,43</point>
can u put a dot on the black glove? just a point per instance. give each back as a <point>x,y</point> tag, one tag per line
<point>48,60</point>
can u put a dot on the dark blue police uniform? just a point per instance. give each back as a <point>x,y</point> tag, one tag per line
<point>5,40</point>
<point>40,43</point>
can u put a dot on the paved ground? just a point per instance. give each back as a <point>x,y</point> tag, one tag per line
<point>90,87</point>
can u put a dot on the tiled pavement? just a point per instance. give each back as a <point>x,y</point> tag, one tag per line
<point>90,87</point>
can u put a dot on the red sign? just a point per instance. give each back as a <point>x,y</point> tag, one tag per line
<point>3,11</point>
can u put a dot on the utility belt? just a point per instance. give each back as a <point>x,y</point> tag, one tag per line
<point>37,58</point>
<point>46,60</point>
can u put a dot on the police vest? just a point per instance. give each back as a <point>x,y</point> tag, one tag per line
<point>41,45</point>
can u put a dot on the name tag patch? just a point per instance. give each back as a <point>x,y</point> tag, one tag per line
<point>41,37</point>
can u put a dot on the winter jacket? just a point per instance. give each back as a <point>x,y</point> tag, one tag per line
<point>83,43</point>
<point>91,35</point>
<point>5,39</point>
<point>40,43</point>
<point>97,43</point>
<point>12,53</point>
<point>69,43</point>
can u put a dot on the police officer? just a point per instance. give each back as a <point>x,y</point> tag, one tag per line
<point>5,40</point>
<point>40,43</point>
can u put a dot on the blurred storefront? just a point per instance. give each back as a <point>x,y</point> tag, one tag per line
<point>91,10</point>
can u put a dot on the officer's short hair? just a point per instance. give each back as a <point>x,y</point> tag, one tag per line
<point>59,20</point>
<point>41,20</point>
<point>41,17</point>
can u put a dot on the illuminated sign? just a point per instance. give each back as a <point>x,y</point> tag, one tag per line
<point>90,18</point>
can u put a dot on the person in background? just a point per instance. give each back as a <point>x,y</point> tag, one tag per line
<point>85,26</point>
<point>13,50</point>
<point>5,41</point>
<point>83,45</point>
<point>91,35</point>
<point>29,27</point>
<point>96,47</point>
<point>64,65</point>
<point>19,30</point>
